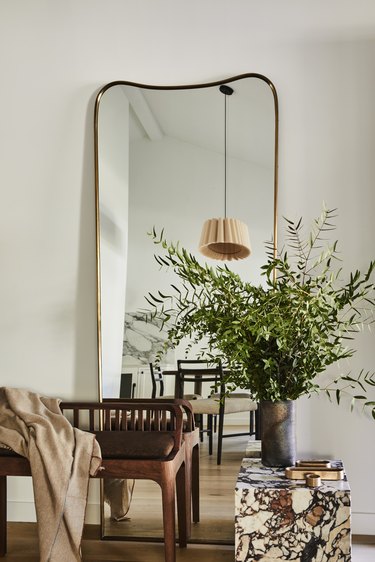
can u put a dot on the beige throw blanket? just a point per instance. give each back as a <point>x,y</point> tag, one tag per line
<point>61,457</point>
<point>118,493</point>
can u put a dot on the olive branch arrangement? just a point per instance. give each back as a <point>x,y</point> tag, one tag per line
<point>274,339</point>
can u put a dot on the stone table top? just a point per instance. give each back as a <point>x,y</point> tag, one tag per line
<point>254,475</point>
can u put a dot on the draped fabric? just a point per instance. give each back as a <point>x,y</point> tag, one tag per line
<point>62,458</point>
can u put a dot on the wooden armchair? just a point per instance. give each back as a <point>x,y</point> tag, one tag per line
<point>190,437</point>
<point>138,441</point>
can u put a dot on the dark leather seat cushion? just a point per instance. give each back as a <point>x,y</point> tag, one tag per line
<point>135,444</point>
<point>127,445</point>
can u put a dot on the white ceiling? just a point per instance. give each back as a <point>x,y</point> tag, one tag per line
<point>196,116</point>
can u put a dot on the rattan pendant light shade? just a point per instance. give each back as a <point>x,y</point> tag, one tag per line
<point>225,238</point>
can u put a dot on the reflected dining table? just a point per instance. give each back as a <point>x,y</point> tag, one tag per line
<point>197,379</point>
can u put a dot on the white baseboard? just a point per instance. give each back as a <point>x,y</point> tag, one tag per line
<point>363,523</point>
<point>21,511</point>
<point>92,514</point>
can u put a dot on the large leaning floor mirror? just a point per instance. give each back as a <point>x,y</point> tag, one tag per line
<point>166,158</point>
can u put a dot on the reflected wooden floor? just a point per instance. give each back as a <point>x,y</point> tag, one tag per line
<point>217,501</point>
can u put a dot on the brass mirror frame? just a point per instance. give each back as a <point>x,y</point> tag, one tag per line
<point>97,189</point>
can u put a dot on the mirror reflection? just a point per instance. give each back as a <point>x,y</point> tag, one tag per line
<point>160,163</point>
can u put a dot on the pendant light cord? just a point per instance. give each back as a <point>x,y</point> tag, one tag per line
<point>220,240</point>
<point>225,156</point>
<point>227,91</point>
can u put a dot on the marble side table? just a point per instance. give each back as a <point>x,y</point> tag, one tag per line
<point>279,519</point>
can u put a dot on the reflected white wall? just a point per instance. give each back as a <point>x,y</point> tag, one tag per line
<point>113,199</point>
<point>176,186</point>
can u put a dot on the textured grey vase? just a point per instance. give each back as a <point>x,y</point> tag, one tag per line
<point>278,433</point>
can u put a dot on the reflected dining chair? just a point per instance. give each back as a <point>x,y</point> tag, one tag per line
<point>217,404</point>
<point>157,378</point>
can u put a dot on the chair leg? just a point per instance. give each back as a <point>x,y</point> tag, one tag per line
<point>183,501</point>
<point>210,433</point>
<point>251,425</point>
<point>258,428</point>
<point>188,484</point>
<point>168,500</point>
<point>198,419</point>
<point>201,427</point>
<point>195,484</point>
<point>3,515</point>
<point>220,437</point>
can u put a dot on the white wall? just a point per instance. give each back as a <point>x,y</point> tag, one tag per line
<point>55,55</point>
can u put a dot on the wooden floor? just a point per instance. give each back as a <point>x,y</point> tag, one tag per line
<point>217,522</point>
<point>23,547</point>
